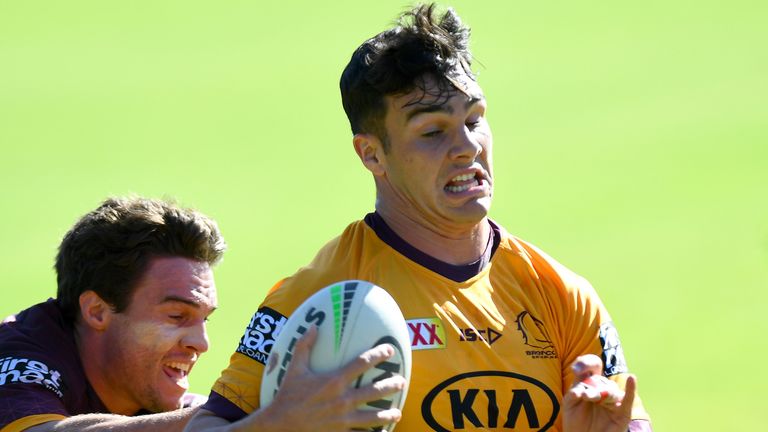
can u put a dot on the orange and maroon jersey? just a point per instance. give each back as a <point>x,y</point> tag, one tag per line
<point>492,341</point>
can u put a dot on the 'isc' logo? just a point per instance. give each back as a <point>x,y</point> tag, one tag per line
<point>488,335</point>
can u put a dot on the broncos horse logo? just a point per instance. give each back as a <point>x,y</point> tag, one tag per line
<point>534,333</point>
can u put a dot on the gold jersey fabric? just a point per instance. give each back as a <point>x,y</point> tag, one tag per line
<point>492,352</point>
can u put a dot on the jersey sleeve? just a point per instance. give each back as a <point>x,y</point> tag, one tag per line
<point>586,326</point>
<point>30,393</point>
<point>236,392</point>
<point>593,332</point>
<point>27,422</point>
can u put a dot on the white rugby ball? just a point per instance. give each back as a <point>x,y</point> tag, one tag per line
<point>351,317</point>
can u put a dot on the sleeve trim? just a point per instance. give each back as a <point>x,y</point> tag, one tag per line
<point>29,421</point>
<point>222,407</point>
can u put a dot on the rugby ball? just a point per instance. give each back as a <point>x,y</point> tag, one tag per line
<point>351,317</point>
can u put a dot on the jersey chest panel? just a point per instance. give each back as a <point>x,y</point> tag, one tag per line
<point>480,362</point>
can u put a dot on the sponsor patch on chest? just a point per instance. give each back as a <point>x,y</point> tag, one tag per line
<point>490,400</point>
<point>426,333</point>
<point>487,335</point>
<point>535,336</point>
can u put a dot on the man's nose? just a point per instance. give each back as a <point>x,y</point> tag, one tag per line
<point>196,337</point>
<point>466,145</point>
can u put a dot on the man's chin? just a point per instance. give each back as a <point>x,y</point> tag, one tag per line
<point>163,403</point>
<point>174,404</point>
<point>471,213</point>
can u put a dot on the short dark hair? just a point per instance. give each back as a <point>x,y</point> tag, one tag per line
<point>398,60</point>
<point>108,250</point>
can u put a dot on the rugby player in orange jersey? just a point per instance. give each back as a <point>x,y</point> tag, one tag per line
<point>503,336</point>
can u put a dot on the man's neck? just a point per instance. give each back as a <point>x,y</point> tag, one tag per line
<point>90,351</point>
<point>455,245</point>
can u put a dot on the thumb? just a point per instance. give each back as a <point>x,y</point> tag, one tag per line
<point>585,366</point>
<point>629,396</point>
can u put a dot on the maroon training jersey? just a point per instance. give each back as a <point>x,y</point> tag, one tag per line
<point>41,377</point>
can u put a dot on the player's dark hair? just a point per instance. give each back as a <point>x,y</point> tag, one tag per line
<point>399,60</point>
<point>108,250</point>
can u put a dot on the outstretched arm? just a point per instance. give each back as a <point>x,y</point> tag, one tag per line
<point>173,421</point>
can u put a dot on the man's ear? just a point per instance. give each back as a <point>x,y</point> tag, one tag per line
<point>370,150</point>
<point>94,311</point>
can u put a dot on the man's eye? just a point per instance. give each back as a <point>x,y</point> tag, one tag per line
<point>176,317</point>
<point>432,133</point>
<point>472,124</point>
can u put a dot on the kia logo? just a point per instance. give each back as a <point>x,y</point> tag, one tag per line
<point>505,402</point>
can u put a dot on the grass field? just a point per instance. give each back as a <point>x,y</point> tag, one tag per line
<point>631,142</point>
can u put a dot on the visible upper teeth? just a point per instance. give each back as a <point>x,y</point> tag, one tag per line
<point>181,366</point>
<point>463,177</point>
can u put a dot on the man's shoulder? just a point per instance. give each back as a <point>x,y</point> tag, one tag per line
<point>347,244</point>
<point>511,243</point>
<point>40,368</point>
<point>357,244</point>
<point>341,258</point>
<point>515,250</point>
<point>35,326</point>
<point>38,349</point>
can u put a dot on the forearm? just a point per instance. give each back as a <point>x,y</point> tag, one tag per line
<point>173,421</point>
<point>206,421</point>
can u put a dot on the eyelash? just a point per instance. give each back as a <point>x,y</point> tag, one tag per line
<point>473,124</point>
<point>182,317</point>
<point>431,134</point>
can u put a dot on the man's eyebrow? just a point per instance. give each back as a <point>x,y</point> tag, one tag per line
<point>425,109</point>
<point>444,107</point>
<point>473,100</point>
<point>177,299</point>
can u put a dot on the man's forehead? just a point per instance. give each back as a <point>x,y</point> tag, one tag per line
<point>180,277</point>
<point>431,91</point>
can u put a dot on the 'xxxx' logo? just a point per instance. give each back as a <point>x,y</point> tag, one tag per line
<point>426,333</point>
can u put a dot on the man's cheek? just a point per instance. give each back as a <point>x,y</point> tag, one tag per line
<point>154,335</point>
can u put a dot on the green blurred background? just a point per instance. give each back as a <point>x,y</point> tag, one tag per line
<point>631,143</point>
